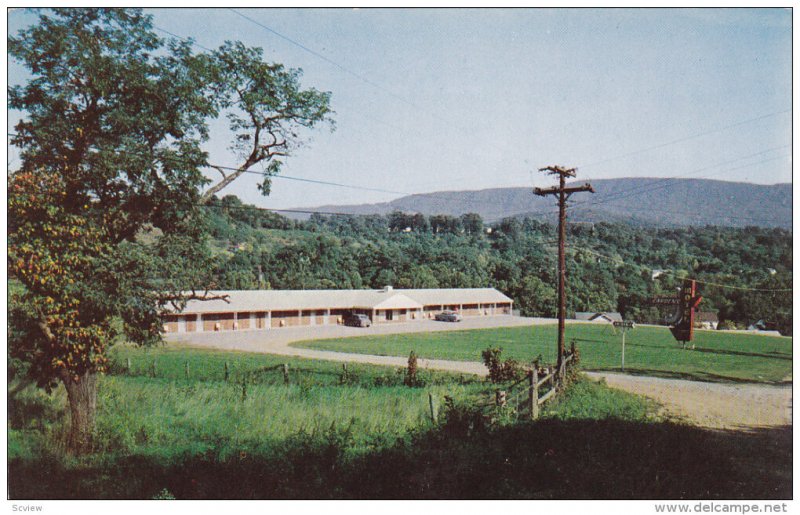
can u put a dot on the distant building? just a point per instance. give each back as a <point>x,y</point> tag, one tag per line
<point>267,309</point>
<point>706,320</point>
<point>594,316</point>
<point>761,325</point>
<point>656,272</point>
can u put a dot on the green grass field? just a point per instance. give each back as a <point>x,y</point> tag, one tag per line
<point>364,436</point>
<point>718,356</point>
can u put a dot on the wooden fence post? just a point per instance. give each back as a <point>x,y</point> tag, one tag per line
<point>500,398</point>
<point>533,392</point>
<point>153,367</point>
<point>286,373</point>
<point>433,410</point>
<point>128,363</point>
<point>186,367</point>
<point>344,371</point>
<point>244,391</point>
<point>227,372</point>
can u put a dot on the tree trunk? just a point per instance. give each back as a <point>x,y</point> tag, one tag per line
<point>82,395</point>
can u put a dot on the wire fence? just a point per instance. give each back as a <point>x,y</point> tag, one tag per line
<point>289,373</point>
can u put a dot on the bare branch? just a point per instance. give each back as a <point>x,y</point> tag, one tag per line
<point>183,297</point>
<point>220,170</point>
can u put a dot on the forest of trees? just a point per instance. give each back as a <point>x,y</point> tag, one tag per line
<point>610,266</point>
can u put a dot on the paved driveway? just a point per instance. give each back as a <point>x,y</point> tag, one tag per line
<point>707,404</point>
<point>276,341</point>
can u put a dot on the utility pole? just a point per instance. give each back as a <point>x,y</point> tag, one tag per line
<point>562,192</point>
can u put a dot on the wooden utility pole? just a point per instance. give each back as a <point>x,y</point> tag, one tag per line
<point>562,192</point>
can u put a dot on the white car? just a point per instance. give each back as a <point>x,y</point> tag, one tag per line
<point>448,316</point>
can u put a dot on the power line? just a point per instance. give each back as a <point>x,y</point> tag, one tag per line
<point>364,79</point>
<point>269,209</point>
<point>334,63</point>
<point>191,41</point>
<point>672,272</point>
<point>195,43</point>
<point>687,138</point>
<point>302,179</point>
<point>661,183</point>
<point>614,196</point>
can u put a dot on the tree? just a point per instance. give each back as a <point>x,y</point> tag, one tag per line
<point>472,223</point>
<point>106,234</point>
<point>266,108</point>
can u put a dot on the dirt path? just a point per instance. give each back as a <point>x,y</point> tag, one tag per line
<point>714,405</point>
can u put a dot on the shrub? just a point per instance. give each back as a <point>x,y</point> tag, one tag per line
<point>411,371</point>
<point>500,371</point>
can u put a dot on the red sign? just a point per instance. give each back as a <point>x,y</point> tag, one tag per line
<point>683,330</point>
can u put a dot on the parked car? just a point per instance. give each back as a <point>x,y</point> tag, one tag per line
<point>357,320</point>
<point>448,316</point>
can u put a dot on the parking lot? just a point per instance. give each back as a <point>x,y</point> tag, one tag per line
<point>276,341</point>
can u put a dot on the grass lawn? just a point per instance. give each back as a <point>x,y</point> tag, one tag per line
<point>364,436</point>
<point>718,356</point>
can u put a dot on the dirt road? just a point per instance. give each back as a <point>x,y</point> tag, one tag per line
<point>714,405</point>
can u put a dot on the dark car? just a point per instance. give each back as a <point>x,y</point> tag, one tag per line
<point>448,316</point>
<point>357,320</point>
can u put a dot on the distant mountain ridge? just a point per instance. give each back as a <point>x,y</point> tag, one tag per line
<point>641,201</point>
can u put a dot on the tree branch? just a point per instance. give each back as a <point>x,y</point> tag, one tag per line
<point>183,297</point>
<point>220,170</point>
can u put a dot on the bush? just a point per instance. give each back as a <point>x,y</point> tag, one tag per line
<point>501,371</point>
<point>411,371</point>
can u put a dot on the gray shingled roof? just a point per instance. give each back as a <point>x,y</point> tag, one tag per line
<point>282,300</point>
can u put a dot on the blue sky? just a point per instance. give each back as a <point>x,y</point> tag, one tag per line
<point>475,98</point>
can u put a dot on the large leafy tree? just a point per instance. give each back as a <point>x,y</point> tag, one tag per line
<point>105,227</point>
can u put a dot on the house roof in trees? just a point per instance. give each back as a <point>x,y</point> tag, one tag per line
<point>596,316</point>
<point>287,300</point>
<point>706,316</point>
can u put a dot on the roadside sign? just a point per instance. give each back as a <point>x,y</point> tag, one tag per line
<point>625,325</point>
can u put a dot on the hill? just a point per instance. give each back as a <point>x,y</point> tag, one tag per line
<point>640,201</point>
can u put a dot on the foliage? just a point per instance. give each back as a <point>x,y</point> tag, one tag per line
<point>500,371</point>
<point>106,233</point>
<point>266,107</point>
<point>110,150</point>
<point>411,378</point>
<point>461,458</point>
<point>609,265</point>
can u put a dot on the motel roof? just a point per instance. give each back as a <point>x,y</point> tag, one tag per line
<point>287,300</point>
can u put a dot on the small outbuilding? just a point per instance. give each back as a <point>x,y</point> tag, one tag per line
<point>706,320</point>
<point>607,317</point>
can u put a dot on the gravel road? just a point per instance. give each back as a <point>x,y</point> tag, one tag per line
<point>714,405</point>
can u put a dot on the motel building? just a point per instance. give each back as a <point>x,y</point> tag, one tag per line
<point>273,309</point>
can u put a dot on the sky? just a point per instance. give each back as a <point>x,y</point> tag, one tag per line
<point>465,99</point>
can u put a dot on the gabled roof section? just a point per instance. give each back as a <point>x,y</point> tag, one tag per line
<point>435,296</point>
<point>398,301</point>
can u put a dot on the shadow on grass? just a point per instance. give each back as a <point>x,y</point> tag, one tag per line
<point>689,376</point>
<point>769,355</point>
<point>462,459</point>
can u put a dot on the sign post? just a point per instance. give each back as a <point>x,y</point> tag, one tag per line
<point>685,304</point>
<point>624,326</point>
